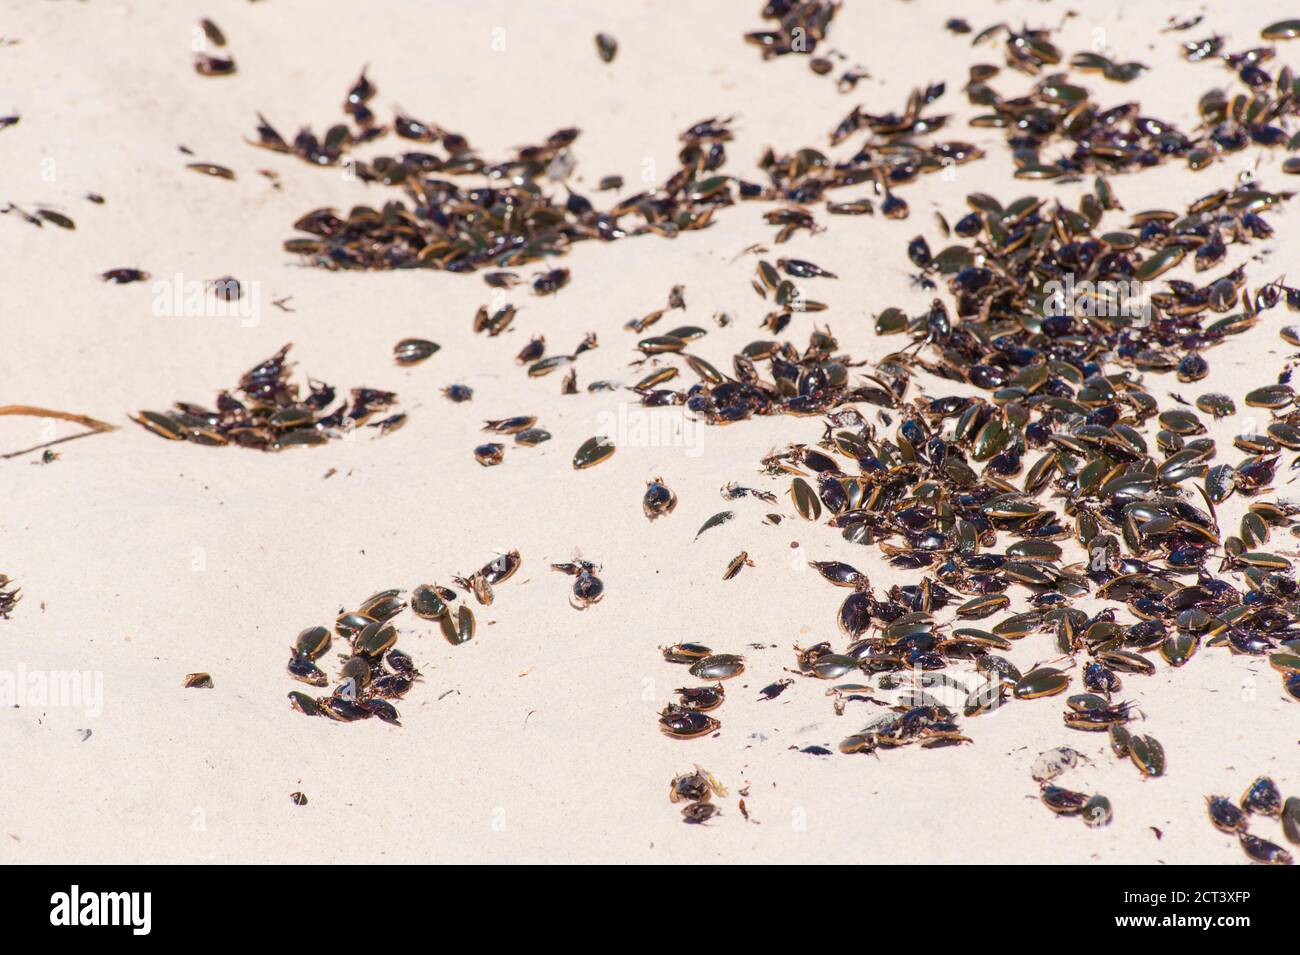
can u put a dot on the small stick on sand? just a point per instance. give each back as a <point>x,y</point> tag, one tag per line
<point>94,424</point>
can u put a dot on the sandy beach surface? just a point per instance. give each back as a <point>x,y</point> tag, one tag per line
<point>142,560</point>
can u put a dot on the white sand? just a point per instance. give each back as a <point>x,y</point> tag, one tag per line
<point>143,560</point>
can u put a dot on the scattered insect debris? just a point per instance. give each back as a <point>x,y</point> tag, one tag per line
<point>490,454</point>
<point>511,223</point>
<point>1121,138</point>
<point>1052,763</point>
<point>458,393</point>
<point>40,217</point>
<point>373,672</point>
<point>1261,798</point>
<point>677,722</point>
<point>801,26</point>
<point>687,719</point>
<point>496,571</point>
<point>696,789</point>
<point>209,35</point>
<point>588,589</point>
<point>271,415</point>
<point>658,500</point>
<point>1095,810</point>
<point>739,562</point>
<point>592,452</point>
<point>514,221</point>
<point>9,596</point>
<point>125,276</point>
<point>773,690</point>
<point>606,47</point>
<point>212,169</point>
<point>436,603</point>
<point>1053,475</point>
<point>955,493</point>
<point>716,520</point>
<point>458,626</point>
<point>413,351</point>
